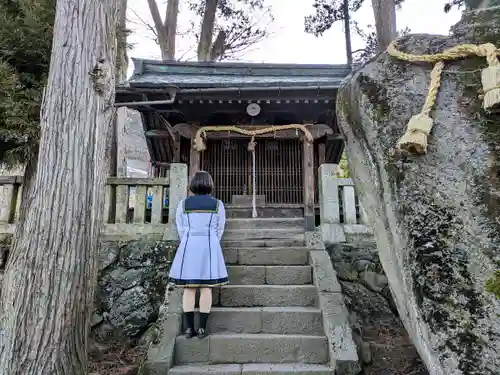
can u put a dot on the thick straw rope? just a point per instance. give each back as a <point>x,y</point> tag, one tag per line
<point>419,127</point>
<point>199,145</point>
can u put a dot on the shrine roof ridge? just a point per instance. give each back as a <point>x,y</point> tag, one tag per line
<point>198,75</point>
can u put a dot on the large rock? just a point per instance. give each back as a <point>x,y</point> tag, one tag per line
<point>131,286</point>
<point>435,216</point>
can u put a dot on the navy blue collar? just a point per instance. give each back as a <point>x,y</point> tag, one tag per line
<point>201,203</point>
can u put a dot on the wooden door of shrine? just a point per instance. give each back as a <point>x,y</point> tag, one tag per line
<point>278,169</point>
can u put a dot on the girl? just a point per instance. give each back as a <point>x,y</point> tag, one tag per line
<point>198,262</point>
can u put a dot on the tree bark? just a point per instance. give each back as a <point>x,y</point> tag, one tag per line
<point>160,30</point>
<point>207,30</point>
<point>166,31</point>
<point>218,47</point>
<point>385,22</point>
<point>171,26</point>
<point>347,30</point>
<point>48,287</point>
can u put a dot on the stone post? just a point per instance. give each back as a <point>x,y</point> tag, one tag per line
<point>331,230</point>
<point>308,178</point>
<point>178,191</point>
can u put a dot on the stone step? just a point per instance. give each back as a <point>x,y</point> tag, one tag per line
<point>263,212</point>
<point>282,242</point>
<point>266,256</point>
<point>278,320</point>
<point>290,223</point>
<point>253,369</point>
<point>268,295</point>
<point>271,275</point>
<point>263,234</point>
<point>251,348</point>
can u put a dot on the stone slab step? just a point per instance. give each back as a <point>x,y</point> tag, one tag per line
<point>251,348</point>
<point>259,243</point>
<point>268,295</point>
<point>295,223</point>
<point>253,369</point>
<point>278,320</point>
<point>263,234</point>
<point>267,256</point>
<point>245,211</point>
<point>272,275</point>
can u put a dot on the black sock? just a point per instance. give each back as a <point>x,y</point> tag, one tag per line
<point>203,320</point>
<point>189,320</point>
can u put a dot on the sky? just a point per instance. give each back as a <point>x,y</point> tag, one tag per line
<point>288,43</point>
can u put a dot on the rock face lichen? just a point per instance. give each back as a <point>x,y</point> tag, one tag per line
<point>131,286</point>
<point>436,215</point>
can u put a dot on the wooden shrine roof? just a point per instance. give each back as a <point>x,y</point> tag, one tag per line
<point>170,93</point>
<point>197,75</point>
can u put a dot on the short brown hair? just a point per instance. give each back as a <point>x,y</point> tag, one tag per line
<point>201,183</point>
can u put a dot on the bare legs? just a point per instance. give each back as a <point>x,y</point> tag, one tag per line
<point>188,299</point>
<point>205,300</point>
<point>188,303</point>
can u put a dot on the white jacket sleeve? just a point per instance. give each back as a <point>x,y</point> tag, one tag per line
<point>221,215</point>
<point>179,219</point>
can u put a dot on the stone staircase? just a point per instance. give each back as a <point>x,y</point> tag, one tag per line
<point>269,319</point>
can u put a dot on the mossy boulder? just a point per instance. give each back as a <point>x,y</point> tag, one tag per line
<point>435,215</point>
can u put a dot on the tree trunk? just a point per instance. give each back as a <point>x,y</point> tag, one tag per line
<point>160,30</point>
<point>171,26</point>
<point>385,22</point>
<point>347,30</point>
<point>167,31</point>
<point>48,287</point>
<point>207,30</point>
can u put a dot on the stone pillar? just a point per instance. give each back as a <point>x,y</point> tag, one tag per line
<point>178,191</point>
<point>308,176</point>
<point>331,230</point>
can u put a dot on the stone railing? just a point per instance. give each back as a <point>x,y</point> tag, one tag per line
<point>341,214</point>
<point>134,207</point>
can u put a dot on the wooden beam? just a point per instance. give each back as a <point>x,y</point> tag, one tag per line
<point>194,162</point>
<point>11,180</point>
<point>177,148</point>
<point>121,181</point>
<point>161,164</point>
<point>321,154</point>
<point>157,133</point>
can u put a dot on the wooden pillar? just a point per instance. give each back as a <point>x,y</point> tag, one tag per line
<point>177,149</point>
<point>194,162</point>
<point>321,154</point>
<point>308,177</point>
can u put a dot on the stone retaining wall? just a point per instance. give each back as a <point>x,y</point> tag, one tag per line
<point>383,343</point>
<point>131,286</point>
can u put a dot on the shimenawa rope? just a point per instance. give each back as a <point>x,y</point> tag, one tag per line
<point>199,145</point>
<point>419,127</point>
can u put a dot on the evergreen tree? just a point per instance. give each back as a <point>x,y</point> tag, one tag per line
<point>25,47</point>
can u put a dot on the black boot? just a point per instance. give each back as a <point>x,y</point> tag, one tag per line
<point>189,330</point>
<point>202,330</point>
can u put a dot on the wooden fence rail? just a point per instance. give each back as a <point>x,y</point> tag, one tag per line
<point>146,206</point>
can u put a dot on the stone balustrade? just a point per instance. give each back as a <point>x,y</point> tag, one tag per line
<point>341,215</point>
<point>144,207</point>
<point>134,207</point>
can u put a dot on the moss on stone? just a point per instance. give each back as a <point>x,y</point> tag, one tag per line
<point>492,285</point>
<point>377,96</point>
